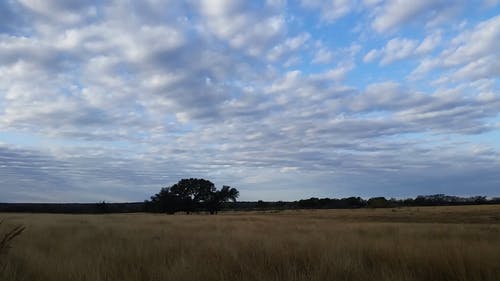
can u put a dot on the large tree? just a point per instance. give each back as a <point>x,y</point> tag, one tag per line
<point>214,203</point>
<point>165,201</point>
<point>191,195</point>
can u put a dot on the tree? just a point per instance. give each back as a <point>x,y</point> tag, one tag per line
<point>217,198</point>
<point>166,201</point>
<point>190,195</point>
<point>102,207</point>
<point>261,204</point>
<point>378,202</point>
<point>190,192</point>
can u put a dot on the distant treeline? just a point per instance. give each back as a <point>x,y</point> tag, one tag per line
<point>311,203</point>
<point>73,208</point>
<point>374,202</point>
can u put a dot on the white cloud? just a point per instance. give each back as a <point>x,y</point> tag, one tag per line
<point>472,54</point>
<point>429,43</point>
<point>371,56</point>
<point>482,40</point>
<point>288,47</point>
<point>396,13</point>
<point>68,12</point>
<point>142,94</point>
<point>372,2</point>
<point>336,74</point>
<point>485,67</point>
<point>330,10</point>
<point>242,28</point>
<point>397,49</point>
<point>424,67</point>
<point>403,48</point>
<point>323,55</point>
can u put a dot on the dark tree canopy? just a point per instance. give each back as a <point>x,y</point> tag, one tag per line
<point>191,195</point>
<point>378,202</point>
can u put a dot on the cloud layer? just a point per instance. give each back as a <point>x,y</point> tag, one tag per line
<point>112,100</point>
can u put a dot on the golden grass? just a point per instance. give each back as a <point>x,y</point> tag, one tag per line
<point>443,243</point>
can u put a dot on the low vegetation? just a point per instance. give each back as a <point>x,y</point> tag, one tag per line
<point>424,243</point>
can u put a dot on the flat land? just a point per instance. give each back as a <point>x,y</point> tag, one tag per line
<point>421,243</point>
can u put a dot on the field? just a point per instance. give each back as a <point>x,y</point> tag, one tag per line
<point>426,243</point>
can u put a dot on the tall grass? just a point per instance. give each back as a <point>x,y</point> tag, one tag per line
<point>8,236</point>
<point>460,243</point>
<point>5,242</point>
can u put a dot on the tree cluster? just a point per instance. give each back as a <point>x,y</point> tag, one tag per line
<point>382,202</point>
<point>191,195</point>
<point>358,202</point>
<point>327,203</point>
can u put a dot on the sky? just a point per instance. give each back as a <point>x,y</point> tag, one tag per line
<point>112,100</point>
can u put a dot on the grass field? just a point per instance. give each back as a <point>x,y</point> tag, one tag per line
<point>426,243</point>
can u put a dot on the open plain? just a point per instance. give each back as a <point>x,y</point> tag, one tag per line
<point>420,243</point>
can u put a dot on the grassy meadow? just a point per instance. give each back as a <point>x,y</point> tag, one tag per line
<point>425,243</point>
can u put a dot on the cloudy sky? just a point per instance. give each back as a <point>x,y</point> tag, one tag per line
<point>111,100</point>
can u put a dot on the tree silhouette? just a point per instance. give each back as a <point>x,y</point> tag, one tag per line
<point>216,199</point>
<point>166,201</point>
<point>378,202</point>
<point>190,195</point>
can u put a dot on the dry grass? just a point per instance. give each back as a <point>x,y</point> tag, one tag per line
<point>445,243</point>
<point>8,236</point>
